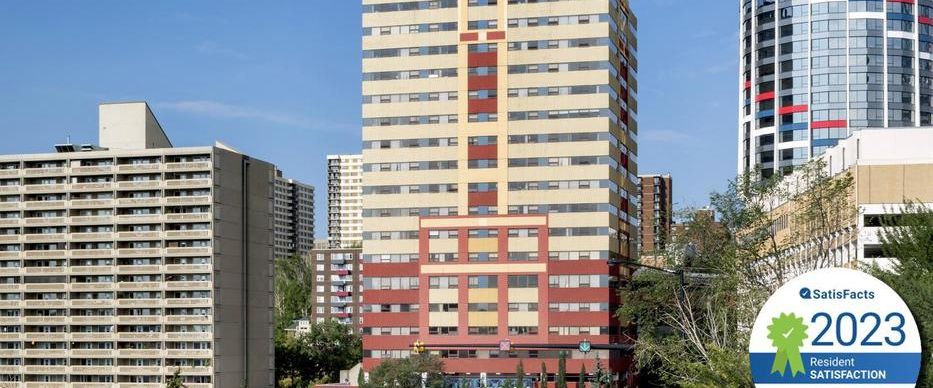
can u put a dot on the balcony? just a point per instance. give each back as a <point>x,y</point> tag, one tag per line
<point>92,186</point>
<point>9,238</point>
<point>139,185</point>
<point>138,235</point>
<point>138,167</point>
<point>139,370</point>
<point>45,221</point>
<point>195,302</point>
<point>187,183</point>
<point>93,287</point>
<point>186,268</point>
<point>138,218</point>
<point>187,319</point>
<point>40,303</point>
<point>9,221</point>
<point>91,253</point>
<point>188,285</point>
<point>41,287</point>
<point>10,206</point>
<point>86,220</point>
<point>137,353</point>
<point>57,253</point>
<point>189,353</point>
<point>44,270</point>
<point>197,200</point>
<point>9,173</point>
<point>139,286</point>
<point>188,234</point>
<point>139,251</point>
<point>43,205</point>
<point>43,171</point>
<point>188,336</point>
<point>135,320</point>
<point>94,236</point>
<point>46,369</point>
<point>51,237</point>
<point>153,201</point>
<point>94,320</point>
<point>92,203</point>
<point>138,269</point>
<point>9,189</point>
<point>188,166</point>
<point>185,251</point>
<point>140,303</point>
<point>91,169</point>
<point>57,187</point>
<point>93,336</point>
<point>141,336</point>
<point>92,353</point>
<point>37,336</point>
<point>188,217</point>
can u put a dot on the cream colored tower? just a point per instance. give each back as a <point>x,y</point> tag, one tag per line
<point>344,201</point>
<point>499,161</point>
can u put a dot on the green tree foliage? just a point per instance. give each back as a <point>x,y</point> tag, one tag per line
<point>909,239</point>
<point>294,282</point>
<point>543,375</point>
<point>316,356</point>
<point>561,381</point>
<point>582,381</point>
<point>695,334</point>
<point>407,372</point>
<point>520,374</point>
<point>175,380</point>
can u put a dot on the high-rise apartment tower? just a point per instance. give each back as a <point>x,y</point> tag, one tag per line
<point>344,201</point>
<point>499,170</point>
<point>656,212</point>
<point>124,262</point>
<point>813,71</point>
<point>294,217</point>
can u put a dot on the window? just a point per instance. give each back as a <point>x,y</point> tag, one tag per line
<point>523,281</point>
<point>485,281</point>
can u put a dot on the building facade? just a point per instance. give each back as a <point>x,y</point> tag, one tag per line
<point>499,171</point>
<point>124,262</point>
<point>294,217</point>
<point>812,71</point>
<point>337,288</point>
<point>656,211</point>
<point>889,167</point>
<point>345,201</point>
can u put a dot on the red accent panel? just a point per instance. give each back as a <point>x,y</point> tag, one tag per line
<point>482,152</point>
<point>390,269</point>
<point>581,267</point>
<point>925,20</point>
<point>491,35</point>
<point>577,294</point>
<point>748,84</point>
<point>390,296</point>
<point>482,59</point>
<point>389,341</point>
<point>479,82</point>
<point>793,109</point>
<point>487,105</point>
<point>489,198</point>
<point>829,124</point>
<point>469,36</point>
<point>391,319</point>
<point>764,96</point>
<point>574,318</point>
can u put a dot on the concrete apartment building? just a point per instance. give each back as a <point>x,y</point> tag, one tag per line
<point>499,171</point>
<point>294,217</point>
<point>345,201</point>
<point>123,262</point>
<point>657,211</point>
<point>812,71</point>
<point>889,166</point>
<point>336,291</point>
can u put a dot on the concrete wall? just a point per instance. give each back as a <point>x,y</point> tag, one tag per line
<point>243,285</point>
<point>130,125</point>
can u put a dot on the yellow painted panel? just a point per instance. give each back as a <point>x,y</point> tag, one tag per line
<point>442,245</point>
<point>523,318</point>
<point>483,221</point>
<point>443,296</point>
<point>886,184</point>
<point>918,182</point>
<point>483,295</point>
<point>483,268</point>
<point>443,319</point>
<point>523,295</point>
<point>478,245</point>
<point>483,319</point>
<point>523,244</point>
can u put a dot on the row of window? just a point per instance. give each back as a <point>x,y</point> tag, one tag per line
<point>486,281</point>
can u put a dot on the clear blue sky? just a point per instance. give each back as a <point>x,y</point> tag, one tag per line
<point>281,80</point>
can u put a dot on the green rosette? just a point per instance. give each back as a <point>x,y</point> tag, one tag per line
<point>787,333</point>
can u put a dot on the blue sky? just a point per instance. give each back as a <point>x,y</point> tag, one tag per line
<point>281,80</point>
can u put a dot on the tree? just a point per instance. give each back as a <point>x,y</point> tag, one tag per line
<point>601,376</point>
<point>561,381</point>
<point>908,238</point>
<point>582,381</point>
<point>543,375</point>
<point>175,380</point>
<point>520,375</point>
<point>694,333</point>
<point>294,281</point>
<point>316,356</point>
<point>406,372</point>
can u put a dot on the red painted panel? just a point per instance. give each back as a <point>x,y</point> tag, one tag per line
<point>576,318</point>
<point>482,59</point>
<point>388,341</point>
<point>478,82</point>
<point>489,198</point>
<point>580,267</point>
<point>482,152</point>
<point>748,84</point>
<point>491,35</point>
<point>486,105</point>
<point>829,124</point>
<point>389,319</point>
<point>469,36</point>
<point>391,269</point>
<point>389,296</point>
<point>925,20</point>
<point>793,109</point>
<point>764,96</point>
<point>577,294</point>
